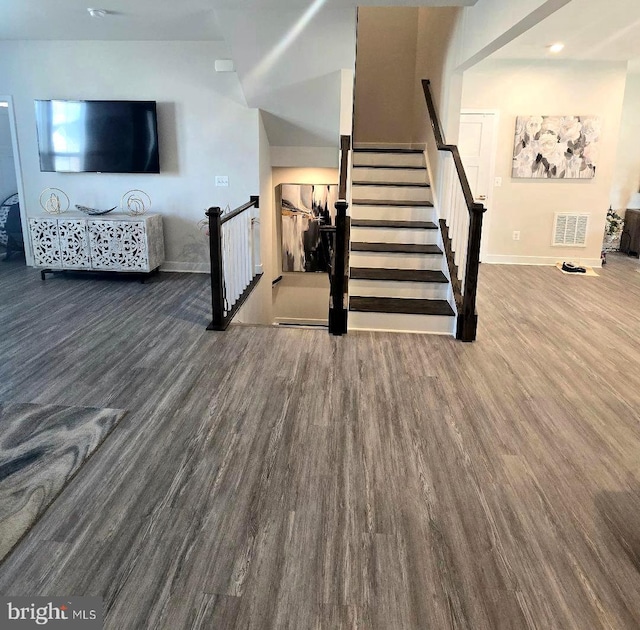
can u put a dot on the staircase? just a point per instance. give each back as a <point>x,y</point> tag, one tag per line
<point>397,269</point>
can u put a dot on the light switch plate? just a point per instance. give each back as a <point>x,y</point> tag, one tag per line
<point>498,182</point>
<point>222,180</point>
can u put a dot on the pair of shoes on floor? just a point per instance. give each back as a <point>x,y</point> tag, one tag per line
<point>572,268</point>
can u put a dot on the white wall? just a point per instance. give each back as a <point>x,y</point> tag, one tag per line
<point>451,40</point>
<point>205,127</point>
<point>258,309</point>
<point>528,206</point>
<point>626,179</point>
<point>289,62</point>
<point>437,54</point>
<point>385,74</point>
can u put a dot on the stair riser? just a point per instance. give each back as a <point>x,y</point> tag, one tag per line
<point>391,193</point>
<point>389,288</point>
<point>401,322</point>
<point>410,176</point>
<point>395,213</point>
<point>386,260</point>
<point>393,235</point>
<point>388,159</point>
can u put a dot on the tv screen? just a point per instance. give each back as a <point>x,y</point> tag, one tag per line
<point>97,136</point>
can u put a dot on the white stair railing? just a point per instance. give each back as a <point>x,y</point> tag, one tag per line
<point>234,241</point>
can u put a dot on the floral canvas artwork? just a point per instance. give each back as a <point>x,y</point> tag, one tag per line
<point>556,147</point>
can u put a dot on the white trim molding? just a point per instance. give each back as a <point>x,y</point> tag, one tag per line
<point>500,259</point>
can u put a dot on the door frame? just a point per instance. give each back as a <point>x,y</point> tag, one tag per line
<point>495,114</point>
<point>17,162</point>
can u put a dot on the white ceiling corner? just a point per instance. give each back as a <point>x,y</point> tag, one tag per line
<point>592,30</point>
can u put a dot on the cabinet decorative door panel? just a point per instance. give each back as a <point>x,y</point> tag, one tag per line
<point>45,242</point>
<point>101,243</point>
<point>74,244</point>
<point>118,245</point>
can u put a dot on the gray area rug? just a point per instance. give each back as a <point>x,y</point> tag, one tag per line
<point>41,449</point>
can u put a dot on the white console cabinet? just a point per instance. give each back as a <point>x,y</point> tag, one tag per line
<point>113,242</point>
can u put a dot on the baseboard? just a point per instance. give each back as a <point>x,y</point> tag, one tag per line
<point>184,267</point>
<point>499,259</point>
<point>296,321</point>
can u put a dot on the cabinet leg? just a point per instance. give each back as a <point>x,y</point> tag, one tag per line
<point>43,273</point>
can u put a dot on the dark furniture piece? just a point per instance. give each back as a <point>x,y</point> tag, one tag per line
<point>630,239</point>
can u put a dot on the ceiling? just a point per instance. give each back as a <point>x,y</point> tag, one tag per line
<point>605,30</point>
<point>155,20</point>
<point>127,20</point>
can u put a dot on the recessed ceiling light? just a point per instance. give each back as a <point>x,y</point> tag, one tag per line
<point>97,13</point>
<point>556,48</point>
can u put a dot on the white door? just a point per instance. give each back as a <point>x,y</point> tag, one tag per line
<point>476,146</point>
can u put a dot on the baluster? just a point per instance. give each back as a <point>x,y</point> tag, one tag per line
<point>227,266</point>
<point>456,226</point>
<point>225,232</point>
<point>239,249</point>
<point>232,261</point>
<point>245,238</point>
<point>249,238</point>
<point>238,253</point>
<point>241,254</point>
<point>252,245</point>
<point>464,244</point>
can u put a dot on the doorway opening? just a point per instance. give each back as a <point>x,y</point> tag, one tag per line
<point>13,236</point>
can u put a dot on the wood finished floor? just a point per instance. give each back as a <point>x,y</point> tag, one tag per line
<point>282,478</point>
<point>41,448</point>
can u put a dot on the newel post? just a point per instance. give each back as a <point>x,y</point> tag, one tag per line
<point>337,310</point>
<point>217,282</point>
<point>468,319</point>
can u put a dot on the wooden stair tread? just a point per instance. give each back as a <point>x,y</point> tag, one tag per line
<point>412,306</point>
<point>390,166</point>
<point>391,202</point>
<point>393,184</point>
<point>398,275</point>
<point>396,248</point>
<point>386,223</point>
<point>385,150</point>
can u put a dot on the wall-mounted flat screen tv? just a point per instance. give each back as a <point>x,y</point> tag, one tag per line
<point>97,136</point>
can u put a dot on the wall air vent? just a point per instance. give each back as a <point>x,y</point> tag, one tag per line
<point>570,230</point>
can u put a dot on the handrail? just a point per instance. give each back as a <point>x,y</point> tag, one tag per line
<point>221,320</point>
<point>465,297</point>
<point>441,145</point>
<point>340,260</point>
<point>252,203</point>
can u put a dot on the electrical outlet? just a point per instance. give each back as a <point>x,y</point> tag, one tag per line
<point>516,235</point>
<point>222,180</point>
